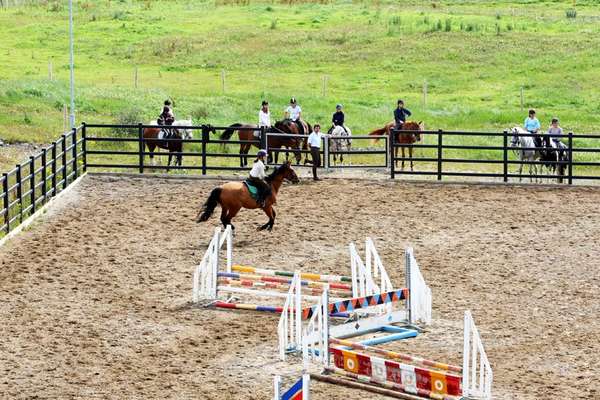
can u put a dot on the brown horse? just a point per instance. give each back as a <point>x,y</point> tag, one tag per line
<point>174,144</point>
<point>289,126</point>
<point>246,133</point>
<point>402,137</point>
<point>232,196</point>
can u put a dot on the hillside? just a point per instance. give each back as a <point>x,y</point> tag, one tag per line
<point>474,56</point>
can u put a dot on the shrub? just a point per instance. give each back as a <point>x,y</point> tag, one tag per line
<point>129,116</point>
<point>273,24</point>
<point>571,13</point>
<point>448,26</point>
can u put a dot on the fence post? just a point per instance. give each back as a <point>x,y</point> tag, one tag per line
<point>505,156</point>
<point>141,148</point>
<point>44,175</point>
<point>570,158</point>
<point>392,147</point>
<point>74,136</point>
<point>32,182</point>
<point>326,160</point>
<point>53,168</point>
<point>19,183</point>
<point>439,154</point>
<point>205,137</point>
<point>5,190</point>
<point>84,146</point>
<point>64,160</point>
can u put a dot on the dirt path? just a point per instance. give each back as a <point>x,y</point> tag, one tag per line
<point>94,297</point>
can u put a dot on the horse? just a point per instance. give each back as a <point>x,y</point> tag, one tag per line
<point>553,155</point>
<point>289,126</point>
<point>232,196</point>
<point>402,138</point>
<point>526,151</point>
<point>153,137</point>
<point>343,144</point>
<point>247,132</point>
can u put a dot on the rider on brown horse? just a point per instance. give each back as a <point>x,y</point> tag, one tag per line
<point>166,117</point>
<point>257,176</point>
<point>294,113</point>
<point>400,114</point>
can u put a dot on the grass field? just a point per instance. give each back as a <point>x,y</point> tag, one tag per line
<point>474,56</point>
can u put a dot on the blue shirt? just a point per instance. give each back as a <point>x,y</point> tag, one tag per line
<point>400,115</point>
<point>531,124</point>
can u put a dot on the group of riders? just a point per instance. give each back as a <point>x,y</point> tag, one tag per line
<point>293,113</point>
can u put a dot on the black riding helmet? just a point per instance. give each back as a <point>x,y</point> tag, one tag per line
<point>167,102</point>
<point>293,100</point>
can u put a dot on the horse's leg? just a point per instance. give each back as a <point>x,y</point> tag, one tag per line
<point>521,167</point>
<point>271,214</point>
<point>402,168</point>
<point>224,219</point>
<point>231,213</point>
<point>242,148</point>
<point>410,149</point>
<point>151,148</point>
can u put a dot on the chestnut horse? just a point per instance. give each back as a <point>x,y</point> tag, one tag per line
<point>402,137</point>
<point>289,126</point>
<point>232,196</point>
<point>153,139</point>
<point>246,133</point>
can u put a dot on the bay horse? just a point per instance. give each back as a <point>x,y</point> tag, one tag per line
<point>233,196</point>
<point>402,137</point>
<point>289,126</point>
<point>246,132</point>
<point>153,137</point>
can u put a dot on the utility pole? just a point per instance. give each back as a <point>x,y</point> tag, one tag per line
<point>72,116</point>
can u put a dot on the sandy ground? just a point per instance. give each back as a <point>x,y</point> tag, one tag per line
<point>94,297</point>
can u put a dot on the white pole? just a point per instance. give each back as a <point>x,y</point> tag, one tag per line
<point>522,98</point>
<point>223,80</point>
<point>425,94</point>
<point>50,77</point>
<point>72,116</point>
<point>135,77</point>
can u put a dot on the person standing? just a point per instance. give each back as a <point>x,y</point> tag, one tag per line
<point>314,142</point>
<point>264,116</point>
<point>400,114</point>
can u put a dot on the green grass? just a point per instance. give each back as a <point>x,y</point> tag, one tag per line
<point>475,56</point>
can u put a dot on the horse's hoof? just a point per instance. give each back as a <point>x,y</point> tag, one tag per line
<point>270,228</point>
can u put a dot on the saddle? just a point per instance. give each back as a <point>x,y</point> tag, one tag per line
<point>253,190</point>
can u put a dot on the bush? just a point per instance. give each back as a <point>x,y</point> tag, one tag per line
<point>448,26</point>
<point>571,13</point>
<point>129,116</point>
<point>273,24</point>
<point>200,113</point>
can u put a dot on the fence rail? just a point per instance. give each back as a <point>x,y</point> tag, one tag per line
<point>29,185</point>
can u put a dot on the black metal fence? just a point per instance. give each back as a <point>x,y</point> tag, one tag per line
<point>439,154</point>
<point>496,157</point>
<point>28,186</point>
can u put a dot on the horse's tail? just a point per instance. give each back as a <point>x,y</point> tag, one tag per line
<point>209,207</point>
<point>227,133</point>
<point>378,132</point>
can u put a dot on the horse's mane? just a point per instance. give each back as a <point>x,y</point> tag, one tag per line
<point>277,171</point>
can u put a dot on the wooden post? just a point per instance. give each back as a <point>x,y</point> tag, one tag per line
<point>324,92</point>
<point>522,99</point>
<point>135,77</point>
<point>19,183</point>
<point>205,137</point>
<point>50,75</point>
<point>223,81</point>
<point>32,182</point>
<point>141,148</point>
<point>6,201</point>
<point>424,94</point>
<point>570,152</point>
<point>84,146</point>
<point>392,147</point>
<point>65,118</point>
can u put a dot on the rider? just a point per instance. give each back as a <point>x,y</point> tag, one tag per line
<point>264,115</point>
<point>532,125</point>
<point>338,118</point>
<point>257,176</point>
<point>400,114</point>
<point>294,112</point>
<point>555,130</point>
<point>166,117</point>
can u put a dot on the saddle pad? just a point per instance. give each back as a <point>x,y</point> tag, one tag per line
<point>252,189</point>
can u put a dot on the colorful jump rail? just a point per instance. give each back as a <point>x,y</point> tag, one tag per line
<point>371,313</point>
<point>217,275</point>
<point>392,371</point>
<point>298,391</point>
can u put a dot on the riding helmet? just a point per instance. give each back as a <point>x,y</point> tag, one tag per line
<point>261,153</point>
<point>167,102</point>
<point>338,106</point>
<point>293,100</point>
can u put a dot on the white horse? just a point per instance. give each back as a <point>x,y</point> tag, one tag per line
<point>523,147</point>
<point>344,143</point>
<point>185,133</point>
<point>154,139</point>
